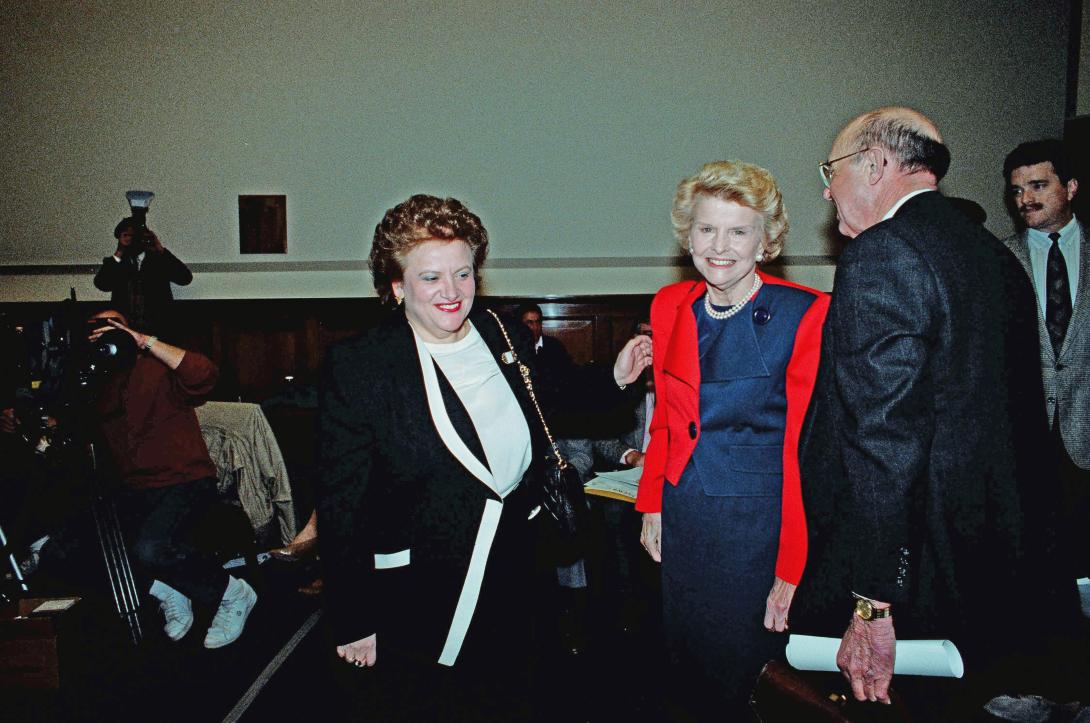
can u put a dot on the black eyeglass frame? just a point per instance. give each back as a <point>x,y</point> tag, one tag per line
<point>825,168</point>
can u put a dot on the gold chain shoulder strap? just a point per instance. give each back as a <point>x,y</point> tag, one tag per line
<point>525,372</point>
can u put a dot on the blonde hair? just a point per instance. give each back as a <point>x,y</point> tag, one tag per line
<point>743,183</point>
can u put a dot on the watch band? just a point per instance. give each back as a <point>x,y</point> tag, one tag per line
<point>148,342</point>
<point>864,608</point>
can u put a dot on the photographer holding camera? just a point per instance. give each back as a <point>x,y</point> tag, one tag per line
<point>146,417</point>
<point>139,274</point>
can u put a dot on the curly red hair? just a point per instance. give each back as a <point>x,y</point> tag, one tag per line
<point>412,222</point>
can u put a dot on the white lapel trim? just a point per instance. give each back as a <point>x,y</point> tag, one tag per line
<point>471,588</point>
<point>441,419</point>
<point>393,559</point>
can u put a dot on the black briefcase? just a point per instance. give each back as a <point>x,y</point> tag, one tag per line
<point>784,694</point>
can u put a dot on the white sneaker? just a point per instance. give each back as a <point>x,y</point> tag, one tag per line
<point>234,608</point>
<point>177,609</point>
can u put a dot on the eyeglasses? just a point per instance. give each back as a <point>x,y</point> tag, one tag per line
<point>826,167</point>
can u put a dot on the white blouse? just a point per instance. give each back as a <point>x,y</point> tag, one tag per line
<point>477,380</point>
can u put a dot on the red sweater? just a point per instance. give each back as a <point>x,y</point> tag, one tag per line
<point>148,422</point>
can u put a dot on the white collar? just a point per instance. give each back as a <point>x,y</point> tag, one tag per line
<point>1069,228</point>
<point>897,206</point>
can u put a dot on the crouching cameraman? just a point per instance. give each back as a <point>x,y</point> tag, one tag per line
<point>147,421</point>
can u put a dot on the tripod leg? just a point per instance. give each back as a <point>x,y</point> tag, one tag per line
<point>16,571</point>
<point>127,579</point>
<point>108,533</point>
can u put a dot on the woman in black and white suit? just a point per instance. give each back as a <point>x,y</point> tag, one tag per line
<point>429,441</point>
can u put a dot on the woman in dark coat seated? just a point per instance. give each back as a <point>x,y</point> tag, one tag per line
<point>734,363</point>
<point>429,444</point>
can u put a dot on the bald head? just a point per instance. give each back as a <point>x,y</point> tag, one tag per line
<point>910,136</point>
<point>108,314</point>
<point>878,159</point>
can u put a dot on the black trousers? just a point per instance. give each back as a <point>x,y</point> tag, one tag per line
<point>161,524</point>
<point>1075,491</point>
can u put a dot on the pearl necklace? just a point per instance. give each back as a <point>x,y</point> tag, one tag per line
<point>734,308</point>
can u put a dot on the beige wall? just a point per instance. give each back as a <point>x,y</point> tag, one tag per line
<point>565,125</point>
<point>1082,92</point>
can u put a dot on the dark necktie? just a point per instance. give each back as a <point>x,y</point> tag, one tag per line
<point>1058,295</point>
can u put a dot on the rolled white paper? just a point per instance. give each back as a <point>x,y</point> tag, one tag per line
<point>938,658</point>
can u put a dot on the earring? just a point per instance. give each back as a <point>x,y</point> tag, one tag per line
<point>399,299</point>
<point>690,249</point>
<point>760,256</point>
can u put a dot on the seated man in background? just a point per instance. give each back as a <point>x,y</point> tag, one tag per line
<point>628,449</point>
<point>552,359</point>
<point>619,441</point>
<point>147,420</point>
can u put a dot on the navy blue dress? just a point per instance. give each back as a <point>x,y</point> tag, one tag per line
<point>721,522</point>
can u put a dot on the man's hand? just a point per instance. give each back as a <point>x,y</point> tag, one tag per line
<point>7,421</point>
<point>360,653</point>
<point>866,657</point>
<point>109,323</point>
<point>166,353</point>
<point>633,458</point>
<point>651,535</point>
<point>124,242</point>
<point>778,605</point>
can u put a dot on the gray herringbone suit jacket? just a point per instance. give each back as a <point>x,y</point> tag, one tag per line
<point>1067,379</point>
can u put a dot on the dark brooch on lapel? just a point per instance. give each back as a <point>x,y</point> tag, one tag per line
<point>508,357</point>
<point>761,316</point>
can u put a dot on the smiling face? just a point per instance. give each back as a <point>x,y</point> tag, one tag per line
<point>438,289</point>
<point>1041,199</point>
<point>725,238</point>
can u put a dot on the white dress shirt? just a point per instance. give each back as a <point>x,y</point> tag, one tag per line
<point>1039,243</point>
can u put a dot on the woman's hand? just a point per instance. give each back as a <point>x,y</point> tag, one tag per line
<point>633,359</point>
<point>778,605</point>
<point>651,535</point>
<point>360,653</point>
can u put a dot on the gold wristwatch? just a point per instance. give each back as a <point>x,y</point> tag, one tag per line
<point>865,609</point>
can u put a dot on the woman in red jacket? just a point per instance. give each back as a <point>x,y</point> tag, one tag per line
<point>735,358</point>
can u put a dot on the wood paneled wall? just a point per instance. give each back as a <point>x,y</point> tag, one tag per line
<point>257,343</point>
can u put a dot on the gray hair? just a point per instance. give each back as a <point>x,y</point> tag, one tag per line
<point>904,137</point>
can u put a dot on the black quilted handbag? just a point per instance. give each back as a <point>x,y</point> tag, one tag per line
<point>560,490</point>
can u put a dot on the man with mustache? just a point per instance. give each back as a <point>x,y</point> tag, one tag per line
<point>1053,249</point>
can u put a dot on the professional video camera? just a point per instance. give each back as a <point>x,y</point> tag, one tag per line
<point>53,373</point>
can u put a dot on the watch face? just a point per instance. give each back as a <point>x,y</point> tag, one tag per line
<point>864,609</point>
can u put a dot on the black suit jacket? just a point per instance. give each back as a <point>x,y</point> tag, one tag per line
<point>926,469</point>
<point>153,279</point>
<point>388,483</point>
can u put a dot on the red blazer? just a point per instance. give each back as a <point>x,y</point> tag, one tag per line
<point>677,408</point>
